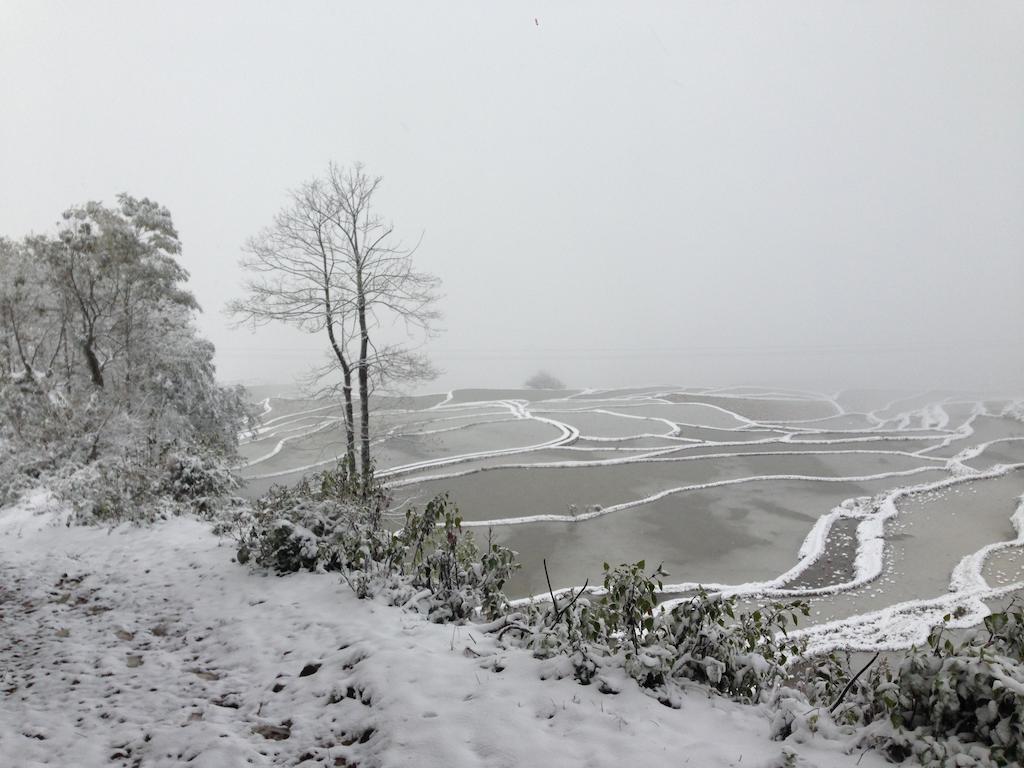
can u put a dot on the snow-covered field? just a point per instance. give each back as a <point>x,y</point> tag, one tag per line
<point>149,647</point>
<point>885,509</point>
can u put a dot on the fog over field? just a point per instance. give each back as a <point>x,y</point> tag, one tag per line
<point>796,194</point>
<point>475,384</point>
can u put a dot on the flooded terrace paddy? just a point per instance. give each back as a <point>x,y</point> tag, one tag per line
<point>729,535</point>
<point>932,533</point>
<point>760,492</point>
<point>503,493</point>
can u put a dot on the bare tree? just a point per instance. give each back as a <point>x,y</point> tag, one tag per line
<point>384,283</point>
<point>299,278</point>
<point>330,264</point>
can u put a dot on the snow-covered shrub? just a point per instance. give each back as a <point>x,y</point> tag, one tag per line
<point>489,574</point>
<point>950,703</point>
<point>630,601</point>
<point>625,620</point>
<point>739,654</point>
<point>104,366</point>
<point>35,433</point>
<point>285,547</point>
<point>197,479</point>
<point>443,560</point>
<point>320,524</point>
<point>702,639</point>
<point>325,523</point>
<point>111,490</point>
<point>18,472</point>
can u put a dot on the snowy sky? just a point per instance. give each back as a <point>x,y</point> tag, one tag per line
<point>703,193</point>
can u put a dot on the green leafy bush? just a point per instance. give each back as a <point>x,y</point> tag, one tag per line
<point>327,523</point>
<point>737,653</point>
<point>442,559</point>
<point>949,699</point>
<point>703,638</point>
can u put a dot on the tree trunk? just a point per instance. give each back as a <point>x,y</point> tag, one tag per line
<point>127,350</point>
<point>364,428</point>
<point>364,385</point>
<point>68,372</point>
<point>95,369</point>
<point>350,425</point>
<point>25,362</point>
<point>346,370</point>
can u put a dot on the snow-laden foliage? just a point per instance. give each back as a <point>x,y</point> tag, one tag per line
<point>704,639</point>
<point>309,526</point>
<point>328,523</point>
<point>953,702</point>
<point>105,385</point>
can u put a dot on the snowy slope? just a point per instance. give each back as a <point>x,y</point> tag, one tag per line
<point>149,647</point>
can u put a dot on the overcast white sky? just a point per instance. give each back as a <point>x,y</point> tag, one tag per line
<point>821,192</point>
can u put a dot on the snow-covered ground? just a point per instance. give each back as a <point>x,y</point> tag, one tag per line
<point>150,647</point>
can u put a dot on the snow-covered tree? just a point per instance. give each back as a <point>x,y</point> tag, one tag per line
<point>102,367</point>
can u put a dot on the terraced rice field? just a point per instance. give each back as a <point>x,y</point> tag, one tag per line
<point>884,510</point>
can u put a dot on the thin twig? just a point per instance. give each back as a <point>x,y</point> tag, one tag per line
<point>525,630</point>
<point>849,685</point>
<point>869,747</point>
<point>554,603</point>
<point>572,600</point>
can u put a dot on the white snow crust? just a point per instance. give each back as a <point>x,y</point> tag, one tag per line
<point>148,646</point>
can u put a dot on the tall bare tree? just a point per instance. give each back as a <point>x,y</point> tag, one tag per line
<point>298,277</point>
<point>385,285</point>
<point>330,264</point>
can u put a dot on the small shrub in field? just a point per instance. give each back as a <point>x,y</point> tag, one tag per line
<point>629,602</point>
<point>543,380</point>
<point>625,620</point>
<point>112,490</point>
<point>495,567</point>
